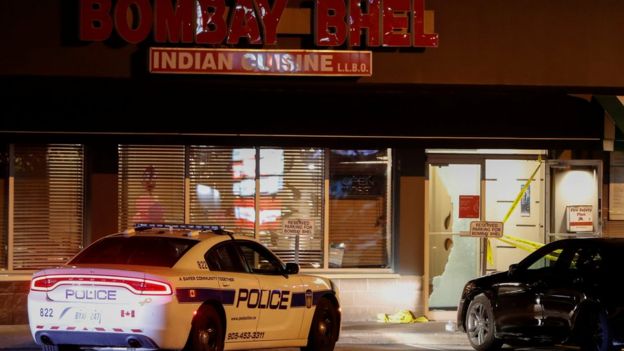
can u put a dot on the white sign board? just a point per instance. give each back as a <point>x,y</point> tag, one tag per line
<point>486,229</point>
<point>335,257</point>
<point>580,218</point>
<point>296,227</point>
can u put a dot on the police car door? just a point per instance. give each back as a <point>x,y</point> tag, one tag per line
<point>235,281</point>
<point>279,320</point>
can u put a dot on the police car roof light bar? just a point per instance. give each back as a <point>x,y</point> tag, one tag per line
<point>200,227</point>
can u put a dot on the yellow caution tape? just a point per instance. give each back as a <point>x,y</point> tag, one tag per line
<point>403,316</point>
<point>527,245</point>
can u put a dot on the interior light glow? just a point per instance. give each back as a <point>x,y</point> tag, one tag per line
<point>578,186</point>
<point>487,151</point>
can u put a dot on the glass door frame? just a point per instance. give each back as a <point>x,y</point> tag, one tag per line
<point>571,164</point>
<point>462,157</point>
<point>445,160</point>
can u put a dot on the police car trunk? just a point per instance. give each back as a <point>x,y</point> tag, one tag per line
<point>115,293</point>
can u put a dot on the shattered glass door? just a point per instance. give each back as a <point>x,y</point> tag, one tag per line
<point>454,202</point>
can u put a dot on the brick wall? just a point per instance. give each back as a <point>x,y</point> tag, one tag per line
<point>13,302</point>
<point>363,298</point>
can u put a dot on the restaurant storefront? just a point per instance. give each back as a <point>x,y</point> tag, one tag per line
<point>384,149</point>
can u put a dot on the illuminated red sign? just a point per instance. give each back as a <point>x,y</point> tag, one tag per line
<point>387,23</point>
<point>469,206</point>
<point>261,62</point>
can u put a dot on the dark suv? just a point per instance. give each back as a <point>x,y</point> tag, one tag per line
<point>568,291</point>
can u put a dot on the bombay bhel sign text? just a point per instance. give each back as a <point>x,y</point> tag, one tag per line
<point>336,23</point>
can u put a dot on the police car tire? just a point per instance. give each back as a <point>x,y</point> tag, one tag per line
<point>324,327</point>
<point>207,332</point>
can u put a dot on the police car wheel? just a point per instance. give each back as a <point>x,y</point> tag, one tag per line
<point>324,328</point>
<point>207,331</point>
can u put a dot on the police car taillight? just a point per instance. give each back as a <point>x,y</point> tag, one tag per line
<point>135,285</point>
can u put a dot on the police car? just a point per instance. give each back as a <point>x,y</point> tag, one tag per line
<point>191,287</point>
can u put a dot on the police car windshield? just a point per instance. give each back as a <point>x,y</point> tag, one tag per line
<point>140,251</point>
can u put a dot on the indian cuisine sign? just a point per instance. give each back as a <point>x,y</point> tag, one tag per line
<point>260,62</point>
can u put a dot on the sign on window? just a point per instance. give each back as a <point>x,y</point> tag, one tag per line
<point>486,229</point>
<point>580,218</point>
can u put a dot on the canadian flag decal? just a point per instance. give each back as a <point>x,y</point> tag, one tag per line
<point>125,313</point>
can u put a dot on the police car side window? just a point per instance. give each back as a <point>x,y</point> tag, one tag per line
<point>225,258</point>
<point>259,259</point>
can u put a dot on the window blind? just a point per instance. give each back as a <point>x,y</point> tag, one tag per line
<point>358,233</point>
<point>151,184</point>
<point>291,188</point>
<point>222,190</point>
<point>48,205</point>
<point>4,180</point>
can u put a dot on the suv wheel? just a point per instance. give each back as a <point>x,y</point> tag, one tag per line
<point>595,333</point>
<point>480,325</point>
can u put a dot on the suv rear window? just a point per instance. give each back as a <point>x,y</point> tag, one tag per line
<point>140,251</point>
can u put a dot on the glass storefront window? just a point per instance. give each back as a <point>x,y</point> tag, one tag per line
<point>291,194</point>
<point>277,195</point>
<point>222,187</point>
<point>358,208</point>
<point>151,184</point>
<point>47,204</point>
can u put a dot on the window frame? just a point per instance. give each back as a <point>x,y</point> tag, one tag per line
<point>390,204</point>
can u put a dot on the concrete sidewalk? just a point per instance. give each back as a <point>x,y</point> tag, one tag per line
<point>15,337</point>
<point>430,333</point>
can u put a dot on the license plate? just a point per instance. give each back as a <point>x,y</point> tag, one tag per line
<point>88,317</point>
<point>81,316</point>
